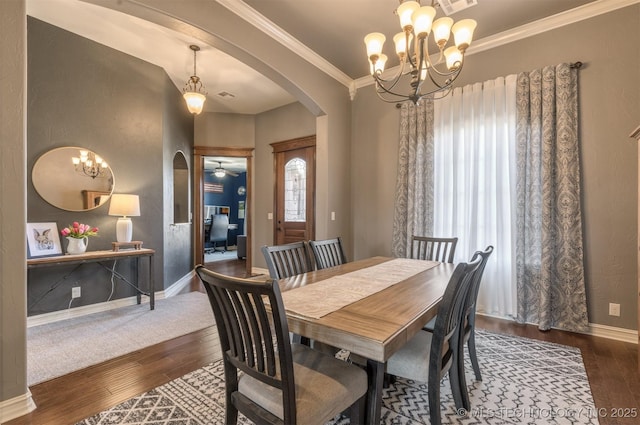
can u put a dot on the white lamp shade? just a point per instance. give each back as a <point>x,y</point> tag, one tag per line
<point>374,42</point>
<point>124,205</point>
<point>463,33</point>
<point>195,101</point>
<point>422,19</point>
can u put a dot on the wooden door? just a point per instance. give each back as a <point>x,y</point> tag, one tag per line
<point>295,190</point>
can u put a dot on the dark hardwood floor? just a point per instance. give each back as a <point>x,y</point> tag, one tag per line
<point>612,367</point>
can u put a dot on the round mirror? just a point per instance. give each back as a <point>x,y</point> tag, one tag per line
<point>73,179</point>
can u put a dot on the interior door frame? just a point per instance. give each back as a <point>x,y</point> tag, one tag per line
<point>199,153</point>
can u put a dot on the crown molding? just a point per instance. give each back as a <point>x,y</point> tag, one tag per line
<point>549,23</point>
<point>250,15</point>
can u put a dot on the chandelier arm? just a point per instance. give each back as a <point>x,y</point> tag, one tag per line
<point>448,73</point>
<point>382,88</point>
<point>407,48</point>
<point>378,75</point>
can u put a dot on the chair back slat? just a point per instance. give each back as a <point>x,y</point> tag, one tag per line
<point>328,253</point>
<point>254,339</point>
<point>433,249</point>
<point>287,260</point>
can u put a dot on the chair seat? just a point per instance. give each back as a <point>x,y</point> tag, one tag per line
<point>320,381</point>
<point>403,363</point>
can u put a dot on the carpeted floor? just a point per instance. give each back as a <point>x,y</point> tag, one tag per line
<point>524,382</point>
<point>211,257</point>
<point>62,347</point>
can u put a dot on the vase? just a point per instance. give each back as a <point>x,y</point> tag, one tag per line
<point>77,245</point>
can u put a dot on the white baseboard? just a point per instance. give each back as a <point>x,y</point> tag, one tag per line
<point>55,316</point>
<point>178,286</point>
<point>16,407</point>
<point>610,332</point>
<point>602,331</point>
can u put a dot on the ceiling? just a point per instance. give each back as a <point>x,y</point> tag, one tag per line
<point>333,29</point>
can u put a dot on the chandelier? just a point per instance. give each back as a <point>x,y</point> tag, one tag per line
<point>90,164</point>
<point>193,91</point>
<point>425,77</point>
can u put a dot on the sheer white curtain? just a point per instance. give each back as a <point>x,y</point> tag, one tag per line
<point>474,183</point>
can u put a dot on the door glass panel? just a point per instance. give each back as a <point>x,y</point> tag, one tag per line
<point>295,184</point>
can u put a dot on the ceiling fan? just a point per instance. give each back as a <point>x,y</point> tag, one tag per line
<point>221,172</point>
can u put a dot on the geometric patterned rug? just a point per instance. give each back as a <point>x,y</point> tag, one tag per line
<point>525,381</point>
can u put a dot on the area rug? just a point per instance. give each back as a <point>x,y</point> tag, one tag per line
<point>56,349</point>
<point>524,382</point>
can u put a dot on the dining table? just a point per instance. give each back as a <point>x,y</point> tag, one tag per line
<point>370,307</point>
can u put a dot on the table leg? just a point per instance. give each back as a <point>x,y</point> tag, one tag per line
<point>152,284</point>
<point>138,295</point>
<point>375,372</point>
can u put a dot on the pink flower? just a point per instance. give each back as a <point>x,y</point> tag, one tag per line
<point>79,230</point>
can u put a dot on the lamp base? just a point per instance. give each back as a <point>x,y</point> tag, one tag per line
<point>124,229</point>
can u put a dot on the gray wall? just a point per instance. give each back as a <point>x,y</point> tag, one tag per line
<point>84,94</point>
<point>13,247</point>
<point>609,110</point>
<point>285,123</point>
<point>178,133</point>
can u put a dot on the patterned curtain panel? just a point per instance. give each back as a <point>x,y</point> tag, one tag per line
<point>549,249</point>
<point>414,185</point>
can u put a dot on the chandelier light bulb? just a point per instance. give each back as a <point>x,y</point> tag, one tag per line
<point>442,30</point>
<point>463,33</point>
<point>374,43</point>
<point>453,57</point>
<point>422,19</point>
<point>405,12</point>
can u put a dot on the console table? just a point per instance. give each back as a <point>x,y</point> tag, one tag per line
<point>98,257</point>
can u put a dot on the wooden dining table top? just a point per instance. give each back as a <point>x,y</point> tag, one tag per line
<point>378,325</point>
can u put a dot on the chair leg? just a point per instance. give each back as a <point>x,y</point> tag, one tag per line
<point>472,354</point>
<point>356,411</point>
<point>434,400</point>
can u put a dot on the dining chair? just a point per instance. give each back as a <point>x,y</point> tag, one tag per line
<point>267,378</point>
<point>433,249</point>
<point>468,322</point>
<point>328,253</point>
<point>287,260</point>
<point>428,356</point>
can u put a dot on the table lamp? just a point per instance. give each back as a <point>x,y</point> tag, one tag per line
<point>125,206</point>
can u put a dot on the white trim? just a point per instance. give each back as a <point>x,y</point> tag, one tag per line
<point>610,332</point>
<point>602,331</point>
<point>16,407</point>
<point>268,27</point>
<point>178,286</point>
<point>549,23</point>
<point>55,316</point>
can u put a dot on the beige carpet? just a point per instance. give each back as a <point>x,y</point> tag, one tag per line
<point>62,347</point>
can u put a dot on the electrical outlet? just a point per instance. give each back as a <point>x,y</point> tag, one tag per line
<point>75,292</point>
<point>614,309</point>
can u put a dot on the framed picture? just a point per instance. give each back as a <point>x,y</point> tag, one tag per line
<point>240,209</point>
<point>43,239</point>
<point>214,187</point>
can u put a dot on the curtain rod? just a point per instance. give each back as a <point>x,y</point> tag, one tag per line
<point>576,65</point>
